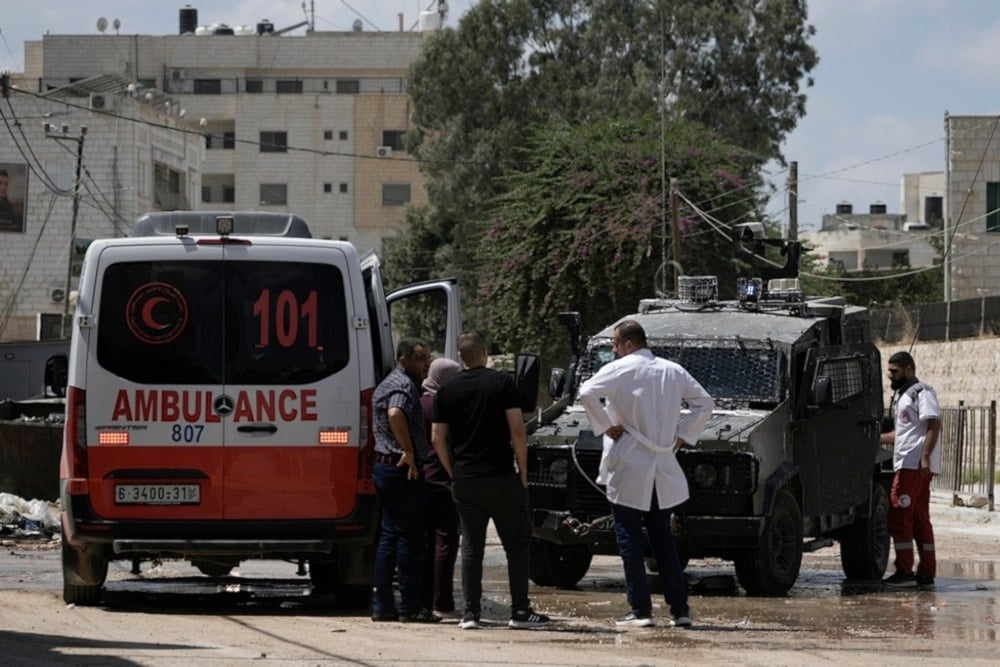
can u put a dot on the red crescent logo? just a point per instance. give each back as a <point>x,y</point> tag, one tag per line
<point>156,313</point>
<point>147,313</point>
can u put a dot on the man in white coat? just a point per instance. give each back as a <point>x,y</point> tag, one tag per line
<point>643,427</point>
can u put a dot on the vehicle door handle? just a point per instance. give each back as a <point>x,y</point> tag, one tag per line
<point>258,428</point>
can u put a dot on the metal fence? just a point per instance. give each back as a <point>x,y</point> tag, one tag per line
<point>967,318</point>
<point>968,451</point>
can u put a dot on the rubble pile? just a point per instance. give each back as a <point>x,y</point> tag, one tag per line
<point>28,518</point>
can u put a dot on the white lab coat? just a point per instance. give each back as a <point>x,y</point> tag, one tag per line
<point>643,394</point>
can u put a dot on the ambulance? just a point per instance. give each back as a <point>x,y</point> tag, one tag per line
<point>218,407</point>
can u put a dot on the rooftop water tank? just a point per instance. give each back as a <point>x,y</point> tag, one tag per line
<point>188,20</point>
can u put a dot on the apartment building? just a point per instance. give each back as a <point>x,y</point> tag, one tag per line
<point>309,123</point>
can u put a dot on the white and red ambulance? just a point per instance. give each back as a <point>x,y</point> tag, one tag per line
<point>219,399</point>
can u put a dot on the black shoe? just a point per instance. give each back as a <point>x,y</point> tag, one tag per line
<point>924,582</point>
<point>386,617</point>
<point>470,621</point>
<point>524,619</point>
<point>900,580</point>
<point>422,616</point>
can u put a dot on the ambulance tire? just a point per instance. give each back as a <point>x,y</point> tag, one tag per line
<point>326,580</point>
<point>84,572</point>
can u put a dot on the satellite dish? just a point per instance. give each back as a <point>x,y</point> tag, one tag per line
<point>116,24</point>
<point>357,26</point>
<point>102,24</point>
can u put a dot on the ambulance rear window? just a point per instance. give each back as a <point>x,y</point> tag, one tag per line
<point>237,322</point>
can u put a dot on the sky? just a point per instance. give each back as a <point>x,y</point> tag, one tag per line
<point>889,71</point>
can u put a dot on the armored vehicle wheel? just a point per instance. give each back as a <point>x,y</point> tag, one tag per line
<point>561,565</point>
<point>773,566</point>
<point>325,577</point>
<point>84,572</point>
<point>211,568</point>
<point>864,545</point>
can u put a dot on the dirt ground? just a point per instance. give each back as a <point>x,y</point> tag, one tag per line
<point>171,615</point>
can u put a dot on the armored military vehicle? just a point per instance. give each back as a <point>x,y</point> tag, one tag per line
<point>789,461</point>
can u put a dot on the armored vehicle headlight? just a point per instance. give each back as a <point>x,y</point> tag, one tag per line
<point>559,471</point>
<point>705,475</point>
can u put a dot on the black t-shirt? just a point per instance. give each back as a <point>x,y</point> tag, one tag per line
<point>474,405</point>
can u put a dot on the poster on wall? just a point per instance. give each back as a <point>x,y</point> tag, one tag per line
<point>13,195</point>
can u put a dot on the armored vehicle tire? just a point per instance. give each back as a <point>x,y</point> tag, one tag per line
<point>211,568</point>
<point>325,577</point>
<point>561,565</point>
<point>88,568</point>
<point>864,545</point>
<point>772,567</point>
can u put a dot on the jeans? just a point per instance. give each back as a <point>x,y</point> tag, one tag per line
<point>440,548</point>
<point>401,541</point>
<point>628,531</point>
<point>503,499</point>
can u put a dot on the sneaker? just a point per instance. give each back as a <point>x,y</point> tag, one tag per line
<point>681,622</point>
<point>900,580</point>
<point>636,620</point>
<point>383,617</point>
<point>470,621</point>
<point>924,582</point>
<point>527,618</point>
<point>422,616</point>
<point>446,616</point>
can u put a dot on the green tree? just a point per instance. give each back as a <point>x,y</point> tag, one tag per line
<point>734,66</point>
<point>581,227</point>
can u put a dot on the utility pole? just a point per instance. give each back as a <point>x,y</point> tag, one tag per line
<point>64,135</point>
<point>793,201</point>
<point>675,227</point>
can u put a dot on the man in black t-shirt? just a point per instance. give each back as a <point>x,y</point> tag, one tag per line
<point>477,422</point>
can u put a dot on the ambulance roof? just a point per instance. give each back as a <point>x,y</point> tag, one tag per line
<point>245,223</point>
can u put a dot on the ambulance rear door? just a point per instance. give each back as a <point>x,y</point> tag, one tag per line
<point>154,346</point>
<point>292,380</point>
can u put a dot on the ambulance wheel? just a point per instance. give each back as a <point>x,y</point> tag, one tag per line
<point>561,565</point>
<point>84,572</point>
<point>326,580</point>
<point>772,567</point>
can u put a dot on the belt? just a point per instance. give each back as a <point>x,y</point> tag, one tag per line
<point>391,459</point>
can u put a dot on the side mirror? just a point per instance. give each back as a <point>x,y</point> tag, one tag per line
<point>557,382</point>
<point>822,391</point>
<point>526,372</point>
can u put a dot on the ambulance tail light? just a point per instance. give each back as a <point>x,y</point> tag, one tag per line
<point>76,439</point>
<point>366,445</point>
<point>334,436</point>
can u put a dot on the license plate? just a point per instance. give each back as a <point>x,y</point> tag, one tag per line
<point>157,494</point>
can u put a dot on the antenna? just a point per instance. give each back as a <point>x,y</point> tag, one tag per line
<point>102,24</point>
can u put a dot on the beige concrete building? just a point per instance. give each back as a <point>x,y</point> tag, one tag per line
<point>973,206</point>
<point>133,157</point>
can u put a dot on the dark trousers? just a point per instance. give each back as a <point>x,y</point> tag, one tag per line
<point>910,519</point>
<point>503,499</point>
<point>440,548</point>
<point>628,531</point>
<point>401,541</point>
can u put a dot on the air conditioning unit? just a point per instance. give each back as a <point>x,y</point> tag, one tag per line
<point>99,102</point>
<point>57,294</point>
<point>384,151</point>
<point>177,74</point>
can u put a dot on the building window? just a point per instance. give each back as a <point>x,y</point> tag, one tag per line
<point>348,86</point>
<point>207,87</point>
<point>255,86</point>
<point>993,207</point>
<point>395,194</point>
<point>224,140</point>
<point>147,83</point>
<point>288,86</point>
<point>273,194</point>
<point>206,193</point>
<point>328,134</point>
<point>228,193</point>
<point>328,187</point>
<point>343,135</point>
<point>394,139</point>
<point>273,142</point>
<point>343,188</point>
